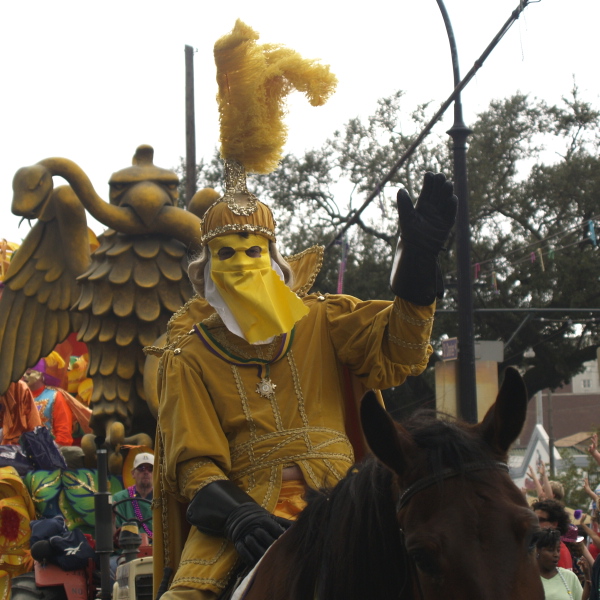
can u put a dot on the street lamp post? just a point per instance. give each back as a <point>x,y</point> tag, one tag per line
<point>459,132</point>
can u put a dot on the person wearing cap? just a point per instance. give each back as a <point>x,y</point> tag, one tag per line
<point>258,378</point>
<point>574,542</point>
<point>142,488</point>
<point>143,465</point>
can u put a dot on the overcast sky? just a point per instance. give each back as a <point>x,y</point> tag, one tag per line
<point>92,81</point>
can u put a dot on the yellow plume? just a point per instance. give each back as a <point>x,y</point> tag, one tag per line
<point>253,82</point>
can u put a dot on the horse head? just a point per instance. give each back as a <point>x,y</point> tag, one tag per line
<point>467,529</point>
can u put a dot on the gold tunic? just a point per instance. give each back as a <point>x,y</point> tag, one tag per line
<point>214,423</point>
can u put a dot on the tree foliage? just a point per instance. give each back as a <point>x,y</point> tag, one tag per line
<point>534,181</point>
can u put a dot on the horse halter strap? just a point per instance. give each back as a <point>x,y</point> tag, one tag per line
<point>424,483</point>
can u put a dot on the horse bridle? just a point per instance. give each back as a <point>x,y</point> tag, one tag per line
<point>428,481</point>
<point>425,482</point>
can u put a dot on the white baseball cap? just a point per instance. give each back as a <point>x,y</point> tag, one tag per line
<point>143,458</point>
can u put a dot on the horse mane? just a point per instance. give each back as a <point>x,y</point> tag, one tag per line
<point>446,442</point>
<point>366,562</point>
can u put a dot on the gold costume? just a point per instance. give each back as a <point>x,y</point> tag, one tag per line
<point>215,422</point>
<point>241,412</point>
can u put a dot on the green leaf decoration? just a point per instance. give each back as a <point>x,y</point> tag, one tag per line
<point>80,486</point>
<point>44,488</point>
<point>72,518</point>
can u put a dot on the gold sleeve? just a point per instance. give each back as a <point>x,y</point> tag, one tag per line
<point>409,332</point>
<point>381,342</point>
<point>195,448</point>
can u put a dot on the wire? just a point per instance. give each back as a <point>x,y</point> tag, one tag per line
<point>551,249</point>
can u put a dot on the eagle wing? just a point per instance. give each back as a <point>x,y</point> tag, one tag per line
<point>41,286</point>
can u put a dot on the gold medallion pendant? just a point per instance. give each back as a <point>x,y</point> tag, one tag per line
<point>265,388</point>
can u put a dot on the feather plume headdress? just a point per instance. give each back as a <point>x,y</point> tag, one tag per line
<point>253,82</point>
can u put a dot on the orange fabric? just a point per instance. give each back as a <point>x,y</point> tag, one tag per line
<point>79,412</point>
<point>62,419</point>
<point>291,500</point>
<point>19,413</point>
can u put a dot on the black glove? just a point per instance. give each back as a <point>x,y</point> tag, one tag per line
<point>221,508</point>
<point>424,229</point>
<point>252,530</point>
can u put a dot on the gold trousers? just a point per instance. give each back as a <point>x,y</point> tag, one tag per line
<point>289,505</point>
<point>291,499</point>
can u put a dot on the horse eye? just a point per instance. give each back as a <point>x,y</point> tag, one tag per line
<point>425,562</point>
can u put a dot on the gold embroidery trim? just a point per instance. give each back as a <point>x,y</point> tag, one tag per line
<point>234,228</point>
<point>248,415</point>
<point>220,583</point>
<point>213,320</point>
<point>301,405</point>
<point>404,344</point>
<point>333,470</point>
<point>288,434</point>
<point>164,505</point>
<point>273,476</point>
<point>154,350</point>
<point>412,320</point>
<point>197,465</point>
<point>275,410</point>
<point>178,314</point>
<point>319,251</point>
<point>170,345</point>
<point>297,458</point>
<point>312,475</point>
<point>297,388</point>
<point>208,561</point>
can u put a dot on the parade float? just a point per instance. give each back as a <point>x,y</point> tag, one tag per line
<point>95,302</point>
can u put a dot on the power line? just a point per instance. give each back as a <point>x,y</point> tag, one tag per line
<point>546,250</point>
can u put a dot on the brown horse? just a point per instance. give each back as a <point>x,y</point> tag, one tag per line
<point>436,515</point>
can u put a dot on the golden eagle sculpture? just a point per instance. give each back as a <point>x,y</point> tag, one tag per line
<point>117,298</point>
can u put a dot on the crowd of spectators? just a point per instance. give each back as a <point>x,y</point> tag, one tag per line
<point>569,544</point>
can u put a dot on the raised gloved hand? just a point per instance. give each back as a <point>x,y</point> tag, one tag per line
<point>424,229</point>
<point>221,508</point>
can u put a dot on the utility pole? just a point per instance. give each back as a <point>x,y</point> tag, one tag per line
<point>190,127</point>
<point>467,386</point>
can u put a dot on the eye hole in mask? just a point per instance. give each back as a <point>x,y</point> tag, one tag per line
<point>228,252</point>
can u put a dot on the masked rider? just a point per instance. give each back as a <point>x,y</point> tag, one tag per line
<point>254,379</point>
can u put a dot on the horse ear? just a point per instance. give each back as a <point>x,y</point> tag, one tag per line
<point>383,435</point>
<point>504,420</point>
